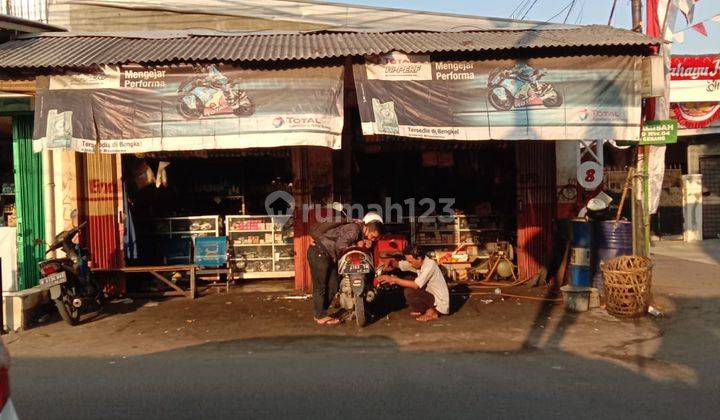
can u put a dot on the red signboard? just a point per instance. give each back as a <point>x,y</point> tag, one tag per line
<point>695,89</point>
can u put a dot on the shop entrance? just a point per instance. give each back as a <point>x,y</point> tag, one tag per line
<point>176,198</point>
<point>22,222</point>
<point>476,181</point>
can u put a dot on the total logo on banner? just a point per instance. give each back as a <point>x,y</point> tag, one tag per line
<point>292,122</point>
<point>600,115</point>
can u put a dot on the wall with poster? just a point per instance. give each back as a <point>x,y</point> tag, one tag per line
<point>569,98</point>
<point>142,109</point>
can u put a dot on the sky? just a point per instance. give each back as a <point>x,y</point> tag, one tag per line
<point>584,12</point>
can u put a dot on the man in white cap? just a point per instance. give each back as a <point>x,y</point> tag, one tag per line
<point>330,240</point>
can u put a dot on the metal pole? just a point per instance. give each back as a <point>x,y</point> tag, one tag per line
<point>639,208</point>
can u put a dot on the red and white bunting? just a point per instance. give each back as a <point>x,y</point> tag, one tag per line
<point>700,28</point>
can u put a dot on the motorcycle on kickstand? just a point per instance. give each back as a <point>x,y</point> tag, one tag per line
<point>358,287</point>
<point>68,279</point>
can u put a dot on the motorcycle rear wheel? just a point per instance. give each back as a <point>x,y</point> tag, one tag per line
<point>499,104</point>
<point>246,109</point>
<point>360,317</point>
<point>188,113</point>
<point>555,101</point>
<point>68,312</point>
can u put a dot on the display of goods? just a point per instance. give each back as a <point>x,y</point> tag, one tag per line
<point>249,224</point>
<point>285,265</point>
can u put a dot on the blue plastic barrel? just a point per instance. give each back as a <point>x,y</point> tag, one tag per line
<point>580,267</point>
<point>610,240</point>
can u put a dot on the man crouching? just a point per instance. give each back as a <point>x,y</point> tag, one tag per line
<point>428,295</point>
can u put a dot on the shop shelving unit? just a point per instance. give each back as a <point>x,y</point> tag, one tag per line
<point>7,207</point>
<point>446,234</point>
<point>259,248</point>
<point>187,227</point>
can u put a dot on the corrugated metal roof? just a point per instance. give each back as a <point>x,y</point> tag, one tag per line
<point>76,50</point>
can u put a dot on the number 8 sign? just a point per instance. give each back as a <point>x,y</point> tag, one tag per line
<point>590,175</point>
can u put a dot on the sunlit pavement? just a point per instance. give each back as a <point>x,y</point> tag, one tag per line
<point>210,359</point>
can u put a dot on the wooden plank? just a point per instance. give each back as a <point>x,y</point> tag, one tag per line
<point>168,282</point>
<point>145,269</point>
<point>193,289</point>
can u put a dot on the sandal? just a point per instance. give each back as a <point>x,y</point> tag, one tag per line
<point>328,320</point>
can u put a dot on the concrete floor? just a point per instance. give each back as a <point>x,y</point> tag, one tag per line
<point>707,252</point>
<point>260,357</point>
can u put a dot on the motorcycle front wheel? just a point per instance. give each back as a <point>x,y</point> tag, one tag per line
<point>68,312</point>
<point>360,316</point>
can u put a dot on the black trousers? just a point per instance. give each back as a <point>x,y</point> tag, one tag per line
<point>419,300</point>
<point>324,279</point>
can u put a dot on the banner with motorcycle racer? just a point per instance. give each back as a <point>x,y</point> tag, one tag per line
<point>568,98</point>
<point>134,109</point>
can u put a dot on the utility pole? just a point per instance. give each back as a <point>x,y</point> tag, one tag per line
<point>640,213</point>
<point>637,16</point>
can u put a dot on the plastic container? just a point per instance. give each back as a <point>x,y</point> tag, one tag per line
<point>580,262</point>
<point>576,298</point>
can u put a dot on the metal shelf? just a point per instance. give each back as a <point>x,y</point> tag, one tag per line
<point>265,275</point>
<point>182,232</point>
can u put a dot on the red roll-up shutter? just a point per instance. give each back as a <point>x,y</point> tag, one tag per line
<point>536,205</point>
<point>101,202</point>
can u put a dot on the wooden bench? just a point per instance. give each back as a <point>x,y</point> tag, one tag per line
<point>155,271</point>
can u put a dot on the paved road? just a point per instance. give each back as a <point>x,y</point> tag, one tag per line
<point>331,377</point>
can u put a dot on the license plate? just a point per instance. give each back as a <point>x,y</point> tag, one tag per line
<point>54,279</point>
<point>357,269</point>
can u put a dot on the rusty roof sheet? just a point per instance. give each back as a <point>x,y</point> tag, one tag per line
<point>81,50</point>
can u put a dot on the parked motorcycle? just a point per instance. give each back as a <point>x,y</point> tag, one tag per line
<point>357,282</point>
<point>71,286</point>
<point>212,94</point>
<point>507,89</point>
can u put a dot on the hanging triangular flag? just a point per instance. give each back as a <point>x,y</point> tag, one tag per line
<point>687,7</point>
<point>679,37</point>
<point>700,27</point>
<point>716,18</point>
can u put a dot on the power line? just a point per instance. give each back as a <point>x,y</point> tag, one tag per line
<point>520,6</point>
<point>572,6</point>
<point>560,12</point>
<point>529,9</point>
<point>579,17</point>
<point>612,12</point>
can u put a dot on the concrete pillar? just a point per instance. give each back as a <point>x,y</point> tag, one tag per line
<point>692,207</point>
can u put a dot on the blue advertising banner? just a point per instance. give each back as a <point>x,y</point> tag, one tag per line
<point>135,109</point>
<point>569,98</point>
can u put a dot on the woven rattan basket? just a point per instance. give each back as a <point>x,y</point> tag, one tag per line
<point>628,280</point>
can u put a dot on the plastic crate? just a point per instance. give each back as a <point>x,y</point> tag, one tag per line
<point>211,251</point>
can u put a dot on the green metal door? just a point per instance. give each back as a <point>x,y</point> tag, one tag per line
<point>28,201</point>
